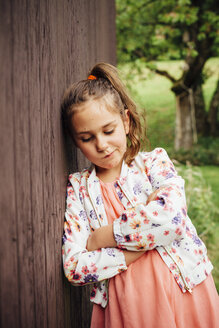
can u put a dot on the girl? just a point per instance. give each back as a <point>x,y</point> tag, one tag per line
<point>126,227</point>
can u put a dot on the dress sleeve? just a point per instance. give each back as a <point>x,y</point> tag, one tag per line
<point>80,266</point>
<point>145,227</point>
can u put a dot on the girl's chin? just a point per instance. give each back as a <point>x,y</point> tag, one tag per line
<point>109,166</point>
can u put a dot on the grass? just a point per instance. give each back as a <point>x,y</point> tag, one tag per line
<point>157,103</point>
<point>211,175</point>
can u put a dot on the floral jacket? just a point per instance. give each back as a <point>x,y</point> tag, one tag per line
<point>162,224</point>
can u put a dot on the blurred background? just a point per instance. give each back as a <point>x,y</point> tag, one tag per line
<point>167,53</point>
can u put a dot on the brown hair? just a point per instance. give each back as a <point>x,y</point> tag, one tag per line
<point>107,82</point>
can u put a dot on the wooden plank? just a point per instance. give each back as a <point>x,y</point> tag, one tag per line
<point>22,162</point>
<point>48,93</point>
<point>37,213</point>
<point>105,31</point>
<point>9,286</point>
<point>65,65</point>
<point>59,164</point>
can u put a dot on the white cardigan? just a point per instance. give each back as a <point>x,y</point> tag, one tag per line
<point>162,224</point>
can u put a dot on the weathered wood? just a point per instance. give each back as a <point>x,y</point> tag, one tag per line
<point>36,167</point>
<point>22,181</point>
<point>49,105</point>
<point>44,46</point>
<point>9,275</point>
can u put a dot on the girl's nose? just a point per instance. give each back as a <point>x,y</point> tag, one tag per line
<point>101,144</point>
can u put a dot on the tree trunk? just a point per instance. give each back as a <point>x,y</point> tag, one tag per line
<point>200,113</point>
<point>184,127</point>
<point>213,113</point>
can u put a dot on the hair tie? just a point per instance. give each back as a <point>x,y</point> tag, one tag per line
<point>92,77</point>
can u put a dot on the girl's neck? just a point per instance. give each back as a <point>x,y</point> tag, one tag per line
<point>108,175</point>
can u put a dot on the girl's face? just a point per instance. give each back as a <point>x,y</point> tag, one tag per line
<point>101,135</point>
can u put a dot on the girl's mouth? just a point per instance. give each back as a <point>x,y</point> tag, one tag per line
<point>109,155</point>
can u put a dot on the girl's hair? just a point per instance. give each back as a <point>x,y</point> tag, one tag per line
<point>106,83</point>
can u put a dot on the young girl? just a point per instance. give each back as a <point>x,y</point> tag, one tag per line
<point>126,227</point>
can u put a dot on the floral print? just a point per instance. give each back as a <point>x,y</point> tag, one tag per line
<point>135,224</point>
<point>162,224</point>
<point>137,188</point>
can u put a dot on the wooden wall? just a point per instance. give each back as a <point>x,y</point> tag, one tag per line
<point>44,46</point>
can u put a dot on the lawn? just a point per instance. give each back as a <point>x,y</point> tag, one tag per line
<point>157,104</point>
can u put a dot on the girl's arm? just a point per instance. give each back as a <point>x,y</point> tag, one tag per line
<point>104,237</point>
<point>159,223</point>
<point>131,256</point>
<point>80,265</point>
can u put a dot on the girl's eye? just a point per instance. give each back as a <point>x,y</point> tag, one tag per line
<point>109,132</point>
<point>86,139</point>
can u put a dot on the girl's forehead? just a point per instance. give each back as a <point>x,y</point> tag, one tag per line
<point>95,106</point>
<point>94,116</point>
<point>103,102</point>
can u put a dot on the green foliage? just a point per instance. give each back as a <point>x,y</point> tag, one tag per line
<point>204,153</point>
<point>201,206</point>
<point>161,29</point>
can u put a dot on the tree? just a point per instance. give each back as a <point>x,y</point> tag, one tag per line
<point>152,30</point>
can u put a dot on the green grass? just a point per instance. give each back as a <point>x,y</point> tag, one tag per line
<point>157,103</point>
<point>211,175</point>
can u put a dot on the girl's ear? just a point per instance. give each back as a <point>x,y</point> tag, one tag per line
<point>126,121</point>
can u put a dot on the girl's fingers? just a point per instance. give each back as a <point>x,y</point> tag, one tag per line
<point>153,195</point>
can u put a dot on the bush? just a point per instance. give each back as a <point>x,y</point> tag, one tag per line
<point>204,153</point>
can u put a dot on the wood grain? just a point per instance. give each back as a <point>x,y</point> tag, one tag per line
<point>9,275</point>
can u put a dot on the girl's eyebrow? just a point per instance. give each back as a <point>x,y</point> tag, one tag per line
<point>104,126</point>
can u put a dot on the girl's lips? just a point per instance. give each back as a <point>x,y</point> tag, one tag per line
<point>109,155</point>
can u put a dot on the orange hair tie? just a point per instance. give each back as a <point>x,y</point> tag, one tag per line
<point>92,77</point>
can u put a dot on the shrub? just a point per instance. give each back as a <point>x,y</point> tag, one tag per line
<point>201,207</point>
<point>204,153</point>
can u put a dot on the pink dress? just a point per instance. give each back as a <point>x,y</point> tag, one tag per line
<point>146,294</point>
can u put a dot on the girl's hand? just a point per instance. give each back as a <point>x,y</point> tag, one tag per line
<point>153,195</point>
<point>104,237</point>
<point>92,243</point>
<point>132,256</point>
<point>101,238</point>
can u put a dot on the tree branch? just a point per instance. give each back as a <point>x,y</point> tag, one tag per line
<point>166,74</point>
